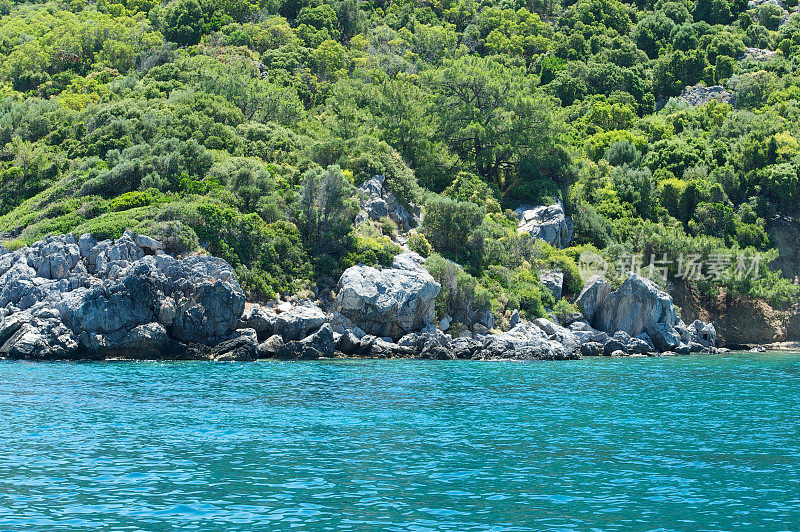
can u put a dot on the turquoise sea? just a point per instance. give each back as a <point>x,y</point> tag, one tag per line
<point>685,443</point>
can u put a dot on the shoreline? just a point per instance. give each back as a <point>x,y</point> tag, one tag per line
<point>341,357</point>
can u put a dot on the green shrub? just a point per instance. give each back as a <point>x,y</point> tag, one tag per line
<point>371,247</point>
<point>448,224</point>
<point>388,227</point>
<point>177,237</point>
<point>419,244</point>
<point>563,309</point>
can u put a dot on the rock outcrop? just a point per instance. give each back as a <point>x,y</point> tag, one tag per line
<point>547,222</point>
<point>68,298</point>
<point>757,54</point>
<point>634,306</point>
<point>378,201</point>
<point>701,95</point>
<point>594,292</point>
<point>390,303</point>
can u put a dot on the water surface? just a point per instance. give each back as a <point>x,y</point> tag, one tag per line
<point>685,443</point>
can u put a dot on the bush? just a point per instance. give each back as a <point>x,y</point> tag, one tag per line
<point>177,237</point>
<point>388,227</point>
<point>371,247</point>
<point>461,295</point>
<point>563,309</point>
<point>448,224</point>
<point>419,244</point>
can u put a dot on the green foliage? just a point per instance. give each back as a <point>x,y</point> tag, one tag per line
<point>372,247</point>
<point>461,294</point>
<point>240,128</point>
<point>419,244</point>
<point>563,309</point>
<point>448,224</point>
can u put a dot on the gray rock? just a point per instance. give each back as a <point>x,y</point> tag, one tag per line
<point>83,298</point>
<point>349,343</point>
<point>514,320</point>
<point>299,322</point>
<point>147,341</point>
<point>378,201</point>
<point>380,348</point>
<point>409,260</point>
<point>637,345</point>
<point>646,339</point>
<point>683,349</point>
<point>484,317</point>
<point>594,292</point>
<point>526,341</point>
<point>701,95</point>
<point>546,222</point>
<point>322,341</point>
<point>591,349</point>
<point>261,319</point>
<point>37,333</point>
<point>637,304</point>
<point>389,302</point>
<point>209,300</point>
<point>553,281</point>
<point>664,336</point>
<point>465,348</point>
<point>704,333</point>
<point>559,334</point>
<point>612,345</point>
<point>319,345</point>
<point>479,328</point>
<point>242,346</point>
<point>695,347</point>
<point>269,348</point>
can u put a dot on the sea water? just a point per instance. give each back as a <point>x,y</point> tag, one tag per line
<point>683,443</point>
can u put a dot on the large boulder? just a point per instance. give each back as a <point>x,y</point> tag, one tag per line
<point>634,306</point>
<point>387,303</point>
<point>299,321</point>
<point>378,201</point>
<point>547,222</point>
<point>663,336</point>
<point>208,299</point>
<point>321,344</point>
<point>241,346</point>
<point>594,292</point>
<point>703,333</point>
<point>260,319</point>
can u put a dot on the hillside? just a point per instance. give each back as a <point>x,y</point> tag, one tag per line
<point>244,129</point>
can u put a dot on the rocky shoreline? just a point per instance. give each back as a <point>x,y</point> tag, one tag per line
<point>77,298</point>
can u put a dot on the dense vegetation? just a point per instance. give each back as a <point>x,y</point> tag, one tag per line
<point>244,127</point>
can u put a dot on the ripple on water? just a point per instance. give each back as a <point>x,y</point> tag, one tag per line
<point>696,442</point>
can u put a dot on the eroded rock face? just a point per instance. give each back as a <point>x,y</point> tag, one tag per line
<point>634,306</point>
<point>65,298</point>
<point>387,303</point>
<point>547,222</point>
<point>594,292</point>
<point>377,202</point>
